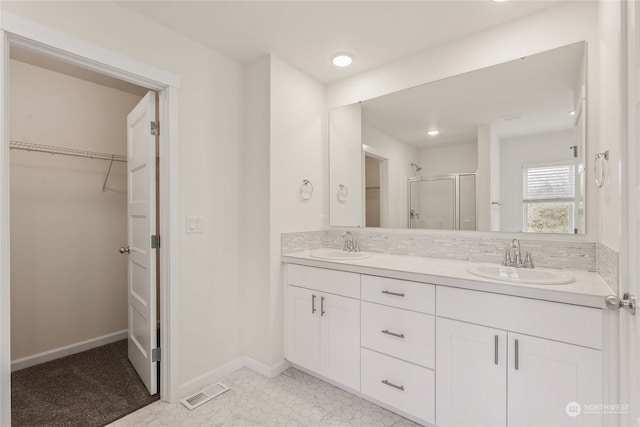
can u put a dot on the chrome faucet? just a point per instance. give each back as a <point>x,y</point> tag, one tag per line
<point>350,245</point>
<point>513,256</point>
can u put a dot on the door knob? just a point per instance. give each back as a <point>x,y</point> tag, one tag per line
<point>627,301</point>
<point>124,250</point>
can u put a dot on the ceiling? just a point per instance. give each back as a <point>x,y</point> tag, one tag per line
<point>540,88</point>
<point>307,33</point>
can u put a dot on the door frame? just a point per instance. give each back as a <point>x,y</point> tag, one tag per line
<point>17,31</point>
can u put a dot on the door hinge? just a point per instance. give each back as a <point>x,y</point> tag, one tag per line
<point>155,241</point>
<point>155,355</point>
<point>155,128</point>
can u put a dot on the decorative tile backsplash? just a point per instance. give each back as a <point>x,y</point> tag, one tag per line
<point>302,241</point>
<point>545,253</point>
<point>608,266</point>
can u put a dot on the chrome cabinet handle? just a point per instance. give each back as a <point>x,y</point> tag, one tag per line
<point>495,350</point>
<point>313,304</point>
<point>322,306</point>
<point>125,250</point>
<point>386,331</point>
<point>516,361</point>
<point>399,387</point>
<point>395,294</point>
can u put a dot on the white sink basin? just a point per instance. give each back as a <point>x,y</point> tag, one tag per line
<point>520,275</point>
<point>338,255</point>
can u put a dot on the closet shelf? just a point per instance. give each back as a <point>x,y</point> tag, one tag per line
<point>28,146</point>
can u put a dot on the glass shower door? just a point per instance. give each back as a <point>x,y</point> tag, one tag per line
<point>432,203</point>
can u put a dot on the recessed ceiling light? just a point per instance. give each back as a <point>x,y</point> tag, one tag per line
<point>499,1</point>
<point>433,132</point>
<point>572,112</point>
<point>342,59</point>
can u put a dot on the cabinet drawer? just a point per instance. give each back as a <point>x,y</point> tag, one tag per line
<point>381,326</point>
<point>331,281</point>
<point>399,293</point>
<point>402,385</point>
<point>557,321</point>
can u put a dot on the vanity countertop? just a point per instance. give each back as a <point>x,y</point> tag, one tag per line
<point>589,289</point>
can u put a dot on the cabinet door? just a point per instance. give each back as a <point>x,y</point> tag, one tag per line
<point>548,377</point>
<point>471,375</point>
<point>340,339</point>
<point>302,320</point>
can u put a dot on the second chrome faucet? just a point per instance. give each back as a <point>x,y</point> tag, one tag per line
<point>350,245</point>
<point>513,257</point>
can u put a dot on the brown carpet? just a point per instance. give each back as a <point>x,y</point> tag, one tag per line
<point>92,388</point>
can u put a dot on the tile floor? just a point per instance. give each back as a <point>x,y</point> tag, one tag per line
<point>291,399</point>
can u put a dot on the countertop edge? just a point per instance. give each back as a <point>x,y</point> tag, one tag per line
<point>483,285</point>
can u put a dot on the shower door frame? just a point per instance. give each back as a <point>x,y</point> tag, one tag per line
<point>17,31</point>
<point>456,190</point>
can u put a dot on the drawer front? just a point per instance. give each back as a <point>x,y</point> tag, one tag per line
<point>399,293</point>
<point>405,386</point>
<point>557,321</point>
<point>400,333</point>
<point>325,280</point>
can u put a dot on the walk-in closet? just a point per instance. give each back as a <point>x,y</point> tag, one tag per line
<point>68,216</point>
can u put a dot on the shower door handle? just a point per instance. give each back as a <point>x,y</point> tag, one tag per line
<point>124,250</point>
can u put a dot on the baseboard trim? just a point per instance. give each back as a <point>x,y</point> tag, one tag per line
<point>67,350</point>
<point>266,370</point>
<point>206,379</point>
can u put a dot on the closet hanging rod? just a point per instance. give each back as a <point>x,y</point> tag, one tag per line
<point>40,148</point>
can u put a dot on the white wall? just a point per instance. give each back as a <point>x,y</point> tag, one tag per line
<point>345,159</point>
<point>483,181</point>
<point>68,280</point>
<point>462,158</point>
<point>525,150</point>
<point>285,143</point>
<point>610,131</point>
<point>298,151</point>
<point>210,166</point>
<point>254,210</point>
<point>551,28</point>
<point>400,155</point>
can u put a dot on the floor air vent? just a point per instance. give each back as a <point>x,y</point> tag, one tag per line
<point>202,397</point>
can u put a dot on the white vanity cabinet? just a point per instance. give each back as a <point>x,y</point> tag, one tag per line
<point>322,322</point>
<point>494,376</point>
<point>398,345</point>
<point>443,355</point>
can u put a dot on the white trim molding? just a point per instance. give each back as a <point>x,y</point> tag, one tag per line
<point>5,277</point>
<point>17,31</point>
<point>266,370</point>
<point>211,377</point>
<point>67,350</point>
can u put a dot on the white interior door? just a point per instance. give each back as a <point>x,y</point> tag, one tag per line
<point>141,225</point>
<point>630,325</point>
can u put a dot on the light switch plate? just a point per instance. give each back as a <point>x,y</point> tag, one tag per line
<point>194,224</point>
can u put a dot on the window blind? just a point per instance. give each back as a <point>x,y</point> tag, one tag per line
<point>552,183</point>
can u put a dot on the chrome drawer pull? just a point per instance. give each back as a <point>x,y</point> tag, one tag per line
<point>322,306</point>
<point>517,361</point>
<point>395,294</point>
<point>399,387</point>
<point>386,331</point>
<point>313,304</point>
<point>495,350</point>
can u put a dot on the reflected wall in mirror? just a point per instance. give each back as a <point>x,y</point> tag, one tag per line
<point>508,154</point>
